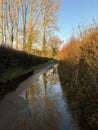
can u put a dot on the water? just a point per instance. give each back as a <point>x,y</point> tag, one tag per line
<point>41,106</point>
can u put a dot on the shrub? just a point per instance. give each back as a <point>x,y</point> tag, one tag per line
<point>79,75</point>
<point>11,59</point>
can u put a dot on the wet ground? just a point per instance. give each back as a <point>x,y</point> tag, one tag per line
<point>37,104</point>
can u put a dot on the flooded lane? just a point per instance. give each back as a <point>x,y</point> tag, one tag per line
<point>41,106</point>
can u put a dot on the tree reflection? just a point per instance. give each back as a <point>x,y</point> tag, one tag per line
<point>44,80</point>
<point>42,102</point>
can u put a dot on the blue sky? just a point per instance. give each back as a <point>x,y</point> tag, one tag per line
<point>75,12</point>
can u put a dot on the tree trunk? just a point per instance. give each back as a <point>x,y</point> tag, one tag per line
<point>17,36</point>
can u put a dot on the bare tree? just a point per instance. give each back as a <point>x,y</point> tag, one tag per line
<point>54,45</point>
<point>2,20</point>
<point>33,24</point>
<point>5,21</point>
<point>48,15</point>
<point>11,21</point>
<point>29,46</point>
<point>24,19</point>
<point>17,18</point>
<point>28,20</point>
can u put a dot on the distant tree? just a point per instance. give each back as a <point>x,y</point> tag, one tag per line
<point>54,45</point>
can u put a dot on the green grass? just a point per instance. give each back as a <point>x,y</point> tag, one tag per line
<point>16,66</point>
<point>10,81</point>
<point>20,72</point>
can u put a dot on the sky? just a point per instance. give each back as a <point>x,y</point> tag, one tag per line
<point>73,13</point>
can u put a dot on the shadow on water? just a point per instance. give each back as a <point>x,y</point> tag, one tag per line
<point>40,107</point>
<point>11,85</point>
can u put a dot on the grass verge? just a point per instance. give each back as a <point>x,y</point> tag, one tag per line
<point>10,81</point>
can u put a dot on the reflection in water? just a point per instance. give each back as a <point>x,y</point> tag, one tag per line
<point>45,80</point>
<point>46,108</point>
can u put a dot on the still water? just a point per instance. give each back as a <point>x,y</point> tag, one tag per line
<point>41,106</point>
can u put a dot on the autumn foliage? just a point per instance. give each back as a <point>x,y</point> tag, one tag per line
<point>79,75</point>
<point>71,49</point>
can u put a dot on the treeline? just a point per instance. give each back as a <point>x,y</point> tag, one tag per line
<point>24,23</point>
<point>78,71</point>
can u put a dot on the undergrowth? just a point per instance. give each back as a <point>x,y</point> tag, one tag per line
<point>78,72</point>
